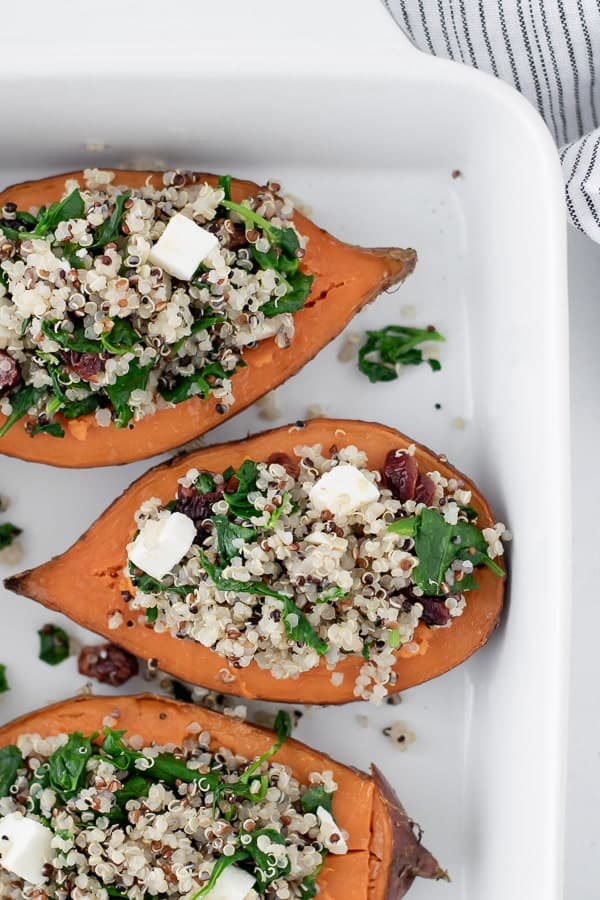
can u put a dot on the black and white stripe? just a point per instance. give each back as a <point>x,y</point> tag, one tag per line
<point>549,50</point>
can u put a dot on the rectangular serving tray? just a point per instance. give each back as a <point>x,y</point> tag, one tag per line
<point>371,134</point>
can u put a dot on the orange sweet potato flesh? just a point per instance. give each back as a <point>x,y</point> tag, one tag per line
<point>346,279</point>
<point>384,855</point>
<point>86,582</point>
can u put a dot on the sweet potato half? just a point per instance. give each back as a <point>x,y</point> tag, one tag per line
<point>385,855</point>
<point>86,582</point>
<point>346,278</point>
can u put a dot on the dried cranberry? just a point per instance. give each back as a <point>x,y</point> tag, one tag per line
<point>10,374</point>
<point>107,663</point>
<point>435,612</point>
<point>424,490</point>
<point>197,506</point>
<point>401,473</point>
<point>285,460</point>
<point>87,365</point>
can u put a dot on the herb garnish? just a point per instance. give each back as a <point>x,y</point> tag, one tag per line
<point>237,499</point>
<point>228,532</point>
<point>438,544</point>
<point>67,765</point>
<point>54,644</point>
<point>314,797</point>
<point>395,345</point>
<point>182,389</point>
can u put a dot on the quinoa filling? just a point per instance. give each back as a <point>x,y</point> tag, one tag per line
<point>89,324</point>
<point>120,819</point>
<point>281,571</point>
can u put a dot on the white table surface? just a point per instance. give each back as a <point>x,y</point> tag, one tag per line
<point>582,879</point>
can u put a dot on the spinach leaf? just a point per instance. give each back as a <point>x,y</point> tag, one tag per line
<point>309,887</point>
<point>286,238</point>
<point>217,870</point>
<point>52,428</point>
<point>69,253</point>
<point>297,626</point>
<point>183,386</point>
<point>332,593</point>
<point>66,766</point>
<point>265,871</point>
<point>136,378</point>
<point>151,614</point>
<point>396,344</point>
<point>203,322</point>
<point>121,338</point>
<point>205,483</point>
<point>227,533</point>
<point>299,286</point>
<point>3,682</point>
<point>109,230</point>
<point>70,340</point>
<point>238,502</point>
<point>13,234</point>
<point>438,545</point>
<point>278,511</point>
<point>72,409</point>
<point>275,259</point>
<point>393,636</point>
<point>54,644</point>
<point>133,788</point>
<point>283,729</point>
<point>225,183</point>
<point>25,217</point>
<point>366,651</point>
<point>314,797</point>
<point>72,207</point>
<point>148,585</point>
<point>11,761</point>
<point>8,532</point>
<point>21,402</point>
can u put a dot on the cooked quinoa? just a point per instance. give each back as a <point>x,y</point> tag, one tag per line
<point>142,822</point>
<point>88,324</point>
<point>274,579</point>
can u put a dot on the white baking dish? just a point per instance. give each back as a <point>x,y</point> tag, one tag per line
<point>368,131</point>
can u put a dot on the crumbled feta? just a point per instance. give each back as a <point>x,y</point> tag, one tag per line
<point>232,884</point>
<point>162,543</point>
<point>182,246</point>
<point>330,830</point>
<point>25,847</point>
<point>343,490</point>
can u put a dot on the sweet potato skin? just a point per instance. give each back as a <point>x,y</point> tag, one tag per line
<point>346,279</point>
<point>365,806</point>
<point>87,581</point>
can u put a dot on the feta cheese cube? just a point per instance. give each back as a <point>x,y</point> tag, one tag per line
<point>232,884</point>
<point>25,847</point>
<point>162,543</point>
<point>181,247</point>
<point>343,490</point>
<point>328,830</point>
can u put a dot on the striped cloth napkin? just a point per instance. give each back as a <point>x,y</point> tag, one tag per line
<point>549,50</point>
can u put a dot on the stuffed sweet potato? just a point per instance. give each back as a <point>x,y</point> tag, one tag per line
<point>144,308</point>
<point>319,562</point>
<point>189,803</point>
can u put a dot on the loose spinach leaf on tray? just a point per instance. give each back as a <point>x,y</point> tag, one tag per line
<point>3,681</point>
<point>8,532</point>
<point>395,345</point>
<point>54,644</point>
